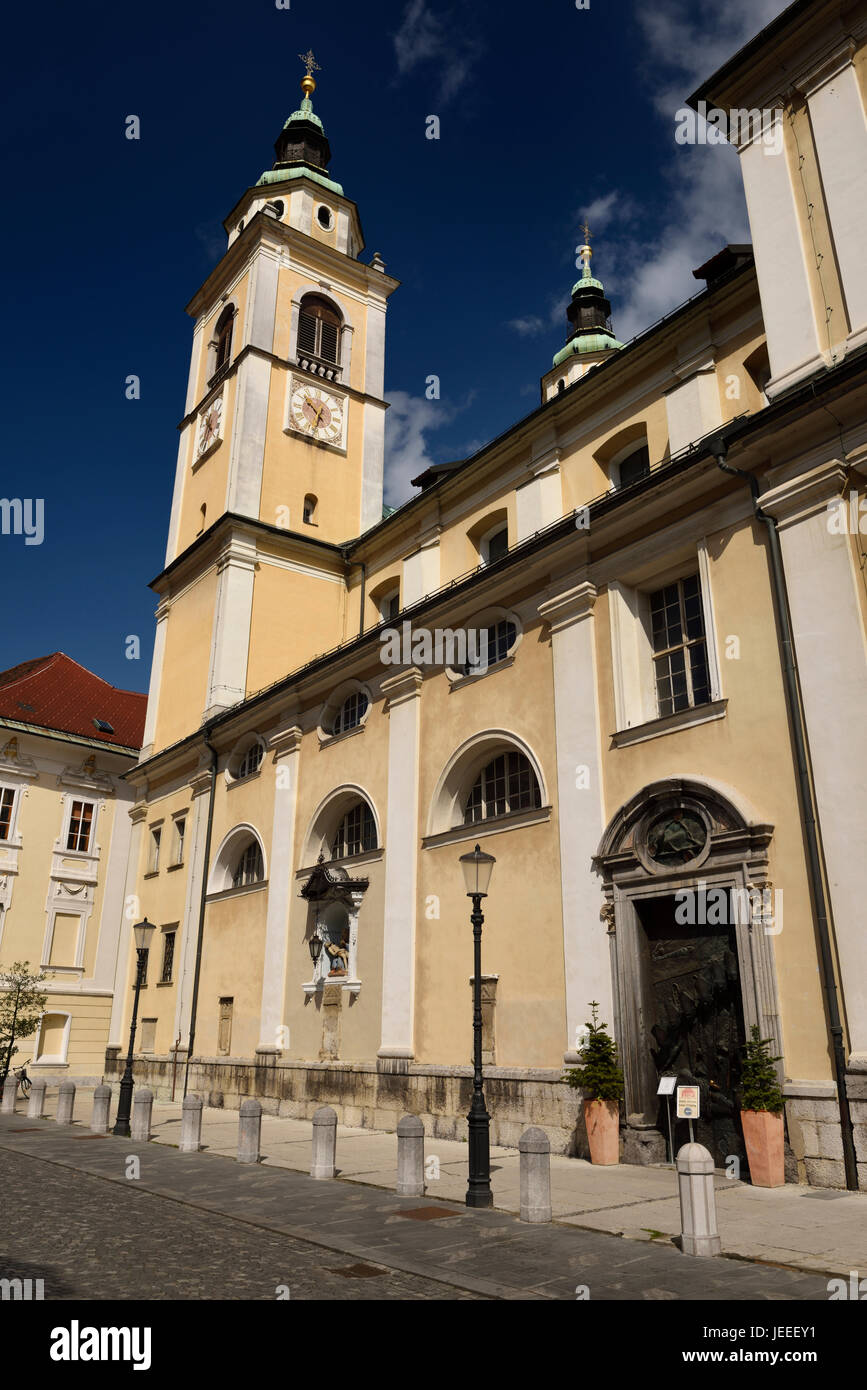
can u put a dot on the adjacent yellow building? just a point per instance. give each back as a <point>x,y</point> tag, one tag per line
<point>574,647</point>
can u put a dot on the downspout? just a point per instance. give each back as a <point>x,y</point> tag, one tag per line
<point>202,900</point>
<point>363,568</point>
<point>812,829</point>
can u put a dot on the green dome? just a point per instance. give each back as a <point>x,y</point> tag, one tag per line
<point>305,112</point>
<point>587,342</point>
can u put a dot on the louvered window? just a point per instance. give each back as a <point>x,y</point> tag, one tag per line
<point>319,330</point>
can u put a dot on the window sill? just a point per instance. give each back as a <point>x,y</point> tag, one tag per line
<point>152,873</point>
<point>164,984</point>
<point>312,987</point>
<point>172,867</point>
<point>236,892</point>
<point>517,820</point>
<point>325,740</point>
<point>459,679</point>
<point>670,724</point>
<point>232,782</point>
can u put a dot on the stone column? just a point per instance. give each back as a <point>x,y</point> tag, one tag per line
<point>697,1203</point>
<point>534,1147</point>
<point>410,1157</point>
<point>839,128</point>
<point>185,945</point>
<point>324,1143</point>
<point>142,1109</point>
<point>65,1103</point>
<point>784,267</point>
<point>164,608</point>
<point>832,662</point>
<point>36,1104</point>
<point>580,804</point>
<point>230,636</point>
<point>191,1125</point>
<point>249,1131</point>
<point>121,1004</point>
<point>287,763</point>
<point>403,694</point>
<point>99,1121</point>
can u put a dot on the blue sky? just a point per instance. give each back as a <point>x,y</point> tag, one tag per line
<point>547,114</point>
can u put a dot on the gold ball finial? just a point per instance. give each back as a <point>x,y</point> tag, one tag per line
<point>308,83</point>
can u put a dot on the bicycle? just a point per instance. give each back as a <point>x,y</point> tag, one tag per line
<point>23,1079</point>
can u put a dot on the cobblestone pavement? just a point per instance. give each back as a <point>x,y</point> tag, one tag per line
<point>195,1226</point>
<point>92,1239</point>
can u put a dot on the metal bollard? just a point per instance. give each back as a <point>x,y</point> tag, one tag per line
<point>101,1107</point>
<point>410,1157</point>
<point>534,1147</point>
<point>697,1204</point>
<point>10,1090</point>
<point>36,1104</point>
<point>324,1142</point>
<point>142,1105</point>
<point>191,1125</point>
<point>65,1103</point>
<point>249,1131</point>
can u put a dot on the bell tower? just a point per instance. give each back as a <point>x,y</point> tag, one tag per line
<point>280,457</point>
<point>591,339</point>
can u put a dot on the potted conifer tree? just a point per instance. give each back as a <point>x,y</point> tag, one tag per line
<point>762,1113</point>
<point>601,1077</point>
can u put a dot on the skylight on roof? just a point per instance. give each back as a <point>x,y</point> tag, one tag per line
<point>103,726</point>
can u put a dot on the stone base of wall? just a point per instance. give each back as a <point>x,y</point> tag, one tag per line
<point>815,1136</point>
<point>376,1097</point>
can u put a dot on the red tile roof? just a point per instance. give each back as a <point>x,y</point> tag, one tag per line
<point>54,692</point>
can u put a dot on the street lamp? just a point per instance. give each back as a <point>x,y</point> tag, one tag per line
<point>143,931</point>
<point>477,868</point>
<point>315,944</point>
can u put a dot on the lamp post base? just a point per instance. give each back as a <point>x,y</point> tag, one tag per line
<point>124,1108</point>
<point>479,1192</point>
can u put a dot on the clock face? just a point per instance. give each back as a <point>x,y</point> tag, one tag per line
<point>317,413</point>
<point>209,430</point>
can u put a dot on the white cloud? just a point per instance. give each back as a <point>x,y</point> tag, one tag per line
<point>701,186</point>
<point>407,424</point>
<point>528,327</point>
<point>425,37</point>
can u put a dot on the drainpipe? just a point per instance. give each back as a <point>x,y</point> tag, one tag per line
<point>363,568</point>
<point>812,829</point>
<point>204,894</point>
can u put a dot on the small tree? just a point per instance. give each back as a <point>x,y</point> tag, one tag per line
<point>21,1008</point>
<point>760,1088</point>
<point>599,1072</point>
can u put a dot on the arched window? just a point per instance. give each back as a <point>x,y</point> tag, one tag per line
<point>498,641</point>
<point>319,329</point>
<point>203,513</point>
<point>251,761</point>
<point>249,868</point>
<point>351,712</point>
<point>494,546</point>
<point>634,466</point>
<point>223,338</point>
<point>356,833</point>
<point>508,783</point>
<point>561,385</point>
<point>310,508</point>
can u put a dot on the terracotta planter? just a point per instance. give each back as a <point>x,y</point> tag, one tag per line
<point>763,1136</point>
<point>602,1118</point>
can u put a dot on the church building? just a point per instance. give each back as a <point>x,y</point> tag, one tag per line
<point>622,647</point>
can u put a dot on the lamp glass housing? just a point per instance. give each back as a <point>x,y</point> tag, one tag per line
<point>143,931</point>
<point>477,868</point>
<point>315,944</point>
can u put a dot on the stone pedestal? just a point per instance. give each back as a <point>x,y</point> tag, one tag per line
<point>534,1147</point>
<point>65,1103</point>
<point>410,1157</point>
<point>324,1143</point>
<point>191,1125</point>
<point>99,1120</point>
<point>697,1204</point>
<point>142,1107</point>
<point>249,1131</point>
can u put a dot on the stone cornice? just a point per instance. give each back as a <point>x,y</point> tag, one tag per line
<point>406,685</point>
<point>285,742</point>
<point>795,499</point>
<point>568,607</point>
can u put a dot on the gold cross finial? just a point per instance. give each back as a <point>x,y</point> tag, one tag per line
<point>587,234</point>
<point>308,82</point>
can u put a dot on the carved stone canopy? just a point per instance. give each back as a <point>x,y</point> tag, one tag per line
<point>327,881</point>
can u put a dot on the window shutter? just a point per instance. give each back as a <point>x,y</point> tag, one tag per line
<point>307,333</point>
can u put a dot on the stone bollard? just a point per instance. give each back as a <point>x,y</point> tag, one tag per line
<point>10,1091</point>
<point>697,1204</point>
<point>410,1157</point>
<point>142,1105</point>
<point>36,1104</point>
<point>534,1147</point>
<point>249,1131</point>
<point>101,1107</point>
<point>65,1103</point>
<point>191,1125</point>
<point>324,1142</point>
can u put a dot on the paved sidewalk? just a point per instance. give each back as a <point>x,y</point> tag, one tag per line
<point>487,1253</point>
<point>812,1229</point>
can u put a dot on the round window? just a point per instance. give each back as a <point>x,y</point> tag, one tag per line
<point>676,837</point>
<point>325,217</point>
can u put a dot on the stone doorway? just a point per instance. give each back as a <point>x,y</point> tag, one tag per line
<point>694,1021</point>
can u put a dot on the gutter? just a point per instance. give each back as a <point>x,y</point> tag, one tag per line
<point>812,828</point>
<point>202,900</point>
